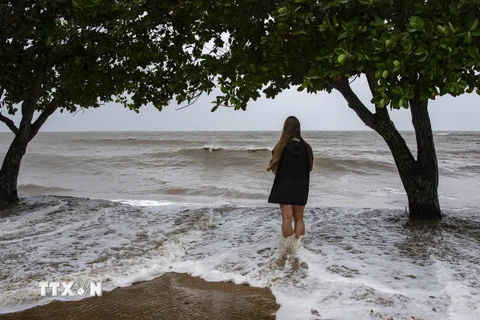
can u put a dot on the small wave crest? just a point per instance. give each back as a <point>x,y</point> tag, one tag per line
<point>234,148</point>
<point>212,191</point>
<point>40,189</point>
<point>212,148</point>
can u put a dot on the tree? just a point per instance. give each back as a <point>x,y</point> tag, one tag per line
<point>407,50</point>
<point>64,55</point>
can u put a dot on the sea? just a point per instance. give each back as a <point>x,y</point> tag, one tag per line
<point>124,207</point>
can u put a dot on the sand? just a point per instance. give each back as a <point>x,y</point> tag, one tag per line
<point>173,296</point>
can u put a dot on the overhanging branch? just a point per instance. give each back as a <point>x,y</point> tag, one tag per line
<point>354,102</point>
<point>195,98</point>
<point>381,123</point>
<point>9,123</point>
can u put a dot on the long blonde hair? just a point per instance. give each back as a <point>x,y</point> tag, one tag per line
<point>291,130</point>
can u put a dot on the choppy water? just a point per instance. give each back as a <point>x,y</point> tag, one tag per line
<point>351,169</point>
<point>184,207</point>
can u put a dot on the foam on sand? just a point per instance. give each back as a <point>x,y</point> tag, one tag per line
<point>351,264</point>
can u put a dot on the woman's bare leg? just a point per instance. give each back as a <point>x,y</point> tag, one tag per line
<point>298,217</point>
<point>287,216</point>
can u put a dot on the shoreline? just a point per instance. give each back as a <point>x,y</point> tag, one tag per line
<point>366,259</point>
<point>170,296</point>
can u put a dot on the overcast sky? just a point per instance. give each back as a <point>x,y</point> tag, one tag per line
<point>321,111</point>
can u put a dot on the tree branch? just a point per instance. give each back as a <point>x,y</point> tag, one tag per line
<point>195,98</point>
<point>49,110</point>
<point>9,123</point>
<point>372,82</point>
<point>381,123</point>
<point>354,102</point>
<point>28,105</point>
<point>423,131</point>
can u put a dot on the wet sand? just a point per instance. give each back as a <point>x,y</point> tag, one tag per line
<point>173,296</point>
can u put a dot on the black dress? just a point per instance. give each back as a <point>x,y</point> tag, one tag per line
<point>291,184</point>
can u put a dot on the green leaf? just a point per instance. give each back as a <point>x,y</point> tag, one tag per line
<point>383,103</point>
<point>377,100</point>
<point>282,11</point>
<point>468,37</point>
<point>397,65</point>
<point>417,23</point>
<point>422,59</point>
<point>298,32</point>
<point>462,84</point>
<point>341,58</point>
<point>452,28</point>
<point>473,24</point>
<point>473,51</point>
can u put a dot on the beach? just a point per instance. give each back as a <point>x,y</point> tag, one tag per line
<point>185,215</point>
<point>173,296</point>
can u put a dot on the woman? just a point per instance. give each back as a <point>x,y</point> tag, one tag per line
<point>291,163</point>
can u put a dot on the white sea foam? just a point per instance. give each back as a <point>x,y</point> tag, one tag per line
<point>145,203</point>
<point>351,264</point>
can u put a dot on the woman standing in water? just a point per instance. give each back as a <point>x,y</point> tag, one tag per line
<point>291,163</point>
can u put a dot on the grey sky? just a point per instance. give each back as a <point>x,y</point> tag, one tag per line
<point>316,112</point>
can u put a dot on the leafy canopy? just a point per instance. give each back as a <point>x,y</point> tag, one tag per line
<point>410,48</point>
<point>83,53</point>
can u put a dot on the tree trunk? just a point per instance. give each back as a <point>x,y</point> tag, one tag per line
<point>23,135</point>
<point>419,177</point>
<point>10,170</point>
<point>423,195</point>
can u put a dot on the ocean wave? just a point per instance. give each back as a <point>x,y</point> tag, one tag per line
<point>234,148</point>
<point>165,143</point>
<point>127,141</point>
<point>40,189</point>
<point>387,191</point>
<point>470,168</point>
<point>463,153</point>
<point>212,191</point>
<point>360,166</point>
<point>212,148</point>
<point>206,149</point>
<point>209,156</point>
